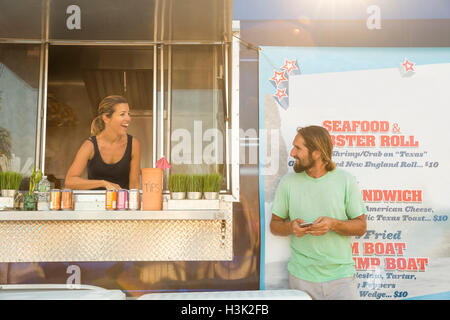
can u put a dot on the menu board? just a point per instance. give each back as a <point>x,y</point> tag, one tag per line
<point>386,110</point>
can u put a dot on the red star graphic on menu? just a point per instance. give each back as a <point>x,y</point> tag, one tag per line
<point>408,65</point>
<point>281,93</point>
<point>289,66</point>
<point>278,77</point>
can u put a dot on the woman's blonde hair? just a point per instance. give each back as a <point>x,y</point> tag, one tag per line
<point>318,138</point>
<point>106,107</point>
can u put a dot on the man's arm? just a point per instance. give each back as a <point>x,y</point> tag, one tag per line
<point>353,227</point>
<point>285,227</point>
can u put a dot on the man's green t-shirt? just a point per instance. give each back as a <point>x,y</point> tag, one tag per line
<point>335,195</point>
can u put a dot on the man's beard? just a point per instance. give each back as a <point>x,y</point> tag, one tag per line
<point>298,167</point>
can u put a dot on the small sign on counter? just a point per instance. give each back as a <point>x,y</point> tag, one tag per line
<point>152,179</point>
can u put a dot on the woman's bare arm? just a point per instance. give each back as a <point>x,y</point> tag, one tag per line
<point>73,176</point>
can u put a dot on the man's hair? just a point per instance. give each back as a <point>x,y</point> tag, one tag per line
<point>318,138</point>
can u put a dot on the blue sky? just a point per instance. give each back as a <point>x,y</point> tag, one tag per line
<point>339,9</point>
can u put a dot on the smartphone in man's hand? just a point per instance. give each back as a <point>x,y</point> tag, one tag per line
<point>307,224</point>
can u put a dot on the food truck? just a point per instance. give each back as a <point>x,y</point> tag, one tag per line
<point>177,64</point>
<point>212,95</point>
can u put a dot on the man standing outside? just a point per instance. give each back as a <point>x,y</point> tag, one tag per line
<point>321,262</point>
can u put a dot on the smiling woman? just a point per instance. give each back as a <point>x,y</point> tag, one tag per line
<point>111,156</point>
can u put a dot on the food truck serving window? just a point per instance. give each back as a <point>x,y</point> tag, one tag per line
<point>193,134</point>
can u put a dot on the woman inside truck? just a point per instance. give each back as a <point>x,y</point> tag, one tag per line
<point>111,156</point>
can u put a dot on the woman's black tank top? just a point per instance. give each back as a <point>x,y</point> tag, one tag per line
<point>118,172</point>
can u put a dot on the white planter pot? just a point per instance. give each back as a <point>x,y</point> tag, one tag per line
<point>194,195</point>
<point>9,193</point>
<point>211,195</point>
<point>178,195</point>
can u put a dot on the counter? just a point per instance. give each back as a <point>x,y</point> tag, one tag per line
<point>99,235</point>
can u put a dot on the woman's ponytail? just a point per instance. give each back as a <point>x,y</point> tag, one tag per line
<point>97,126</point>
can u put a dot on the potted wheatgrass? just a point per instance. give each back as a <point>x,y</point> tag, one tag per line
<point>211,186</point>
<point>177,186</point>
<point>194,186</point>
<point>10,183</point>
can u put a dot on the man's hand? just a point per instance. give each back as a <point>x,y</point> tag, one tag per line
<point>352,227</point>
<point>321,226</point>
<point>297,230</point>
<point>284,227</point>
